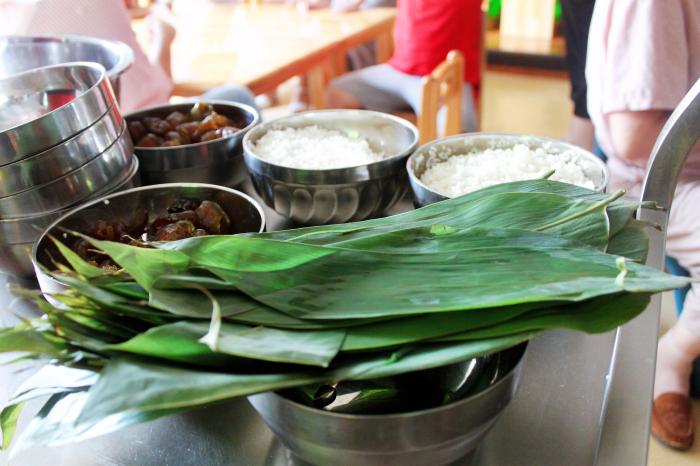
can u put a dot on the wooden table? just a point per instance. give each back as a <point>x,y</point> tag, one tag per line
<point>261,46</point>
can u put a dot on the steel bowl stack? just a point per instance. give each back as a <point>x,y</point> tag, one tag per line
<point>62,143</point>
<point>24,53</point>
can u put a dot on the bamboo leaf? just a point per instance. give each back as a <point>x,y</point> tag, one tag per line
<point>596,316</point>
<point>182,341</point>
<point>459,280</point>
<point>49,380</point>
<point>631,242</point>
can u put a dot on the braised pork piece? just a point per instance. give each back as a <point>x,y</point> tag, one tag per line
<point>201,124</point>
<point>185,218</point>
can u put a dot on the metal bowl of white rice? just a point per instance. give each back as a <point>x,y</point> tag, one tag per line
<point>456,165</point>
<point>330,166</point>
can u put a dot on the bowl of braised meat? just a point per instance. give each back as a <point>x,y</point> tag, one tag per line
<point>198,142</point>
<point>139,216</point>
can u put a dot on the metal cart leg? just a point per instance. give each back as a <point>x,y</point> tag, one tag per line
<point>627,411</point>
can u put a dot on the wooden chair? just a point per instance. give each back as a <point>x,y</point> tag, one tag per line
<point>442,88</point>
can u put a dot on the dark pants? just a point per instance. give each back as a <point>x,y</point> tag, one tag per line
<point>576,20</point>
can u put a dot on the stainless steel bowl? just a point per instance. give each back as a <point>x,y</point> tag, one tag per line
<point>73,187</point>
<point>431,437</point>
<point>44,167</point>
<point>217,162</point>
<point>315,197</point>
<point>245,213</point>
<point>24,53</point>
<point>45,106</point>
<point>17,236</point>
<point>440,149</point>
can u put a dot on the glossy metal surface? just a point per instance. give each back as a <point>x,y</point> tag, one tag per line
<point>217,162</point>
<point>314,197</point>
<point>33,112</point>
<point>42,168</point>
<point>17,236</point>
<point>74,187</point>
<point>431,437</point>
<point>440,149</point>
<point>626,421</point>
<point>245,213</point>
<point>24,53</point>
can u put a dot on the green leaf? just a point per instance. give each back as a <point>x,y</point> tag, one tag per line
<point>631,242</point>
<point>133,386</point>
<point>78,263</point>
<point>415,329</point>
<point>55,424</point>
<point>178,341</point>
<point>49,380</point>
<point>181,341</point>
<point>26,338</point>
<point>8,422</point>
<point>137,386</point>
<point>501,275</point>
<point>595,316</point>
<point>454,212</point>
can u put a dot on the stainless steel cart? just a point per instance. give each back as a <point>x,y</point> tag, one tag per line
<point>583,399</point>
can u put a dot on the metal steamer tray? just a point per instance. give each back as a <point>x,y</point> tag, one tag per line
<point>582,400</point>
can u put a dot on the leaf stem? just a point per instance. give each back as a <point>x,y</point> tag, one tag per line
<point>604,203</point>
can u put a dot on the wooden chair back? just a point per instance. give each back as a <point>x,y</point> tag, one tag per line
<point>442,88</point>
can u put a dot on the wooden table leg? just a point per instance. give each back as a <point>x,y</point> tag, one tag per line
<point>340,63</point>
<point>384,46</point>
<point>317,86</point>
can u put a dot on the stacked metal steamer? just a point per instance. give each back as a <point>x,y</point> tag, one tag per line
<point>63,142</point>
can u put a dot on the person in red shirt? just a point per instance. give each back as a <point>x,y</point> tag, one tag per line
<point>425,31</point>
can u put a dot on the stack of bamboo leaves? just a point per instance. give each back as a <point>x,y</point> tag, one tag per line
<point>205,319</point>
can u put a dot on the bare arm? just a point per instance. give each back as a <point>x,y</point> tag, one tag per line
<point>162,36</point>
<point>633,134</point>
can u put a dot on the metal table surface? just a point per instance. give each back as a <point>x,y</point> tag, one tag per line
<point>583,400</point>
<point>555,418</point>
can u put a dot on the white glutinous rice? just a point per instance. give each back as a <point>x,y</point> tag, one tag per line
<point>463,173</point>
<point>315,148</point>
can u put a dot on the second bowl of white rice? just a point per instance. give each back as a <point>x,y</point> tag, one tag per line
<point>457,165</point>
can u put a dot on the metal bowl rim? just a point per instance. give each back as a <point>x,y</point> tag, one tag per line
<point>77,64</point>
<point>248,149</point>
<point>102,199</point>
<point>113,111</point>
<point>423,412</point>
<point>124,52</point>
<point>155,150</point>
<point>426,147</point>
<point>87,165</point>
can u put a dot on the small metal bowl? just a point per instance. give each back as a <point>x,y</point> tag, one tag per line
<point>430,437</point>
<point>24,53</point>
<point>44,167</point>
<point>440,149</point>
<point>80,184</point>
<point>246,216</point>
<point>316,197</point>
<point>216,162</point>
<point>17,236</point>
<point>45,106</point>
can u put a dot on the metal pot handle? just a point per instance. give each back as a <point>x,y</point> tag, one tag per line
<point>626,413</point>
<point>674,144</point>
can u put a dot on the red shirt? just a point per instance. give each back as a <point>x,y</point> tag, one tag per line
<point>426,30</point>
